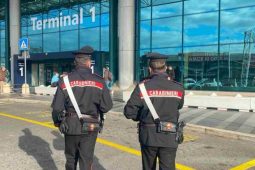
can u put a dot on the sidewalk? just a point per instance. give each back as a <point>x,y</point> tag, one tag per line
<point>226,122</point>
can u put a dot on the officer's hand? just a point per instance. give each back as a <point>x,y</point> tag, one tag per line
<point>63,128</point>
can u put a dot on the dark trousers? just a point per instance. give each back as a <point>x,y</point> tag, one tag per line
<point>80,148</point>
<point>166,157</point>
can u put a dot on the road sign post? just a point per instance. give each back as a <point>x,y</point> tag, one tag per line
<point>24,54</point>
<point>24,47</point>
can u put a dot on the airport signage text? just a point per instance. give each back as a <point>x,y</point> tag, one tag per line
<point>61,20</point>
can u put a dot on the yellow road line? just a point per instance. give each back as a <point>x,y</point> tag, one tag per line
<point>245,165</point>
<point>119,147</point>
<point>188,138</point>
<point>28,120</point>
<point>99,140</point>
<point>48,122</point>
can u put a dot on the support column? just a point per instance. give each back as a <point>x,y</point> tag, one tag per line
<point>126,33</point>
<point>14,12</point>
<point>114,61</point>
<point>7,37</point>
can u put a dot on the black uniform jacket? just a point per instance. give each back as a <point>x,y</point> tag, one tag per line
<point>167,97</point>
<point>91,93</point>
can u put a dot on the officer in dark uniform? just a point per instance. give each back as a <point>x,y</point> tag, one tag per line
<point>167,97</point>
<point>93,99</point>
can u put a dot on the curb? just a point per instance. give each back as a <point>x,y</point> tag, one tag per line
<point>25,101</point>
<point>43,94</point>
<point>220,109</point>
<point>221,132</point>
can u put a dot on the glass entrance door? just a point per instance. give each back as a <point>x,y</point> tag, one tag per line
<point>49,73</point>
<point>99,61</point>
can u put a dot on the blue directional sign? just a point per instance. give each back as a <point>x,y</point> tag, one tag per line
<point>23,44</point>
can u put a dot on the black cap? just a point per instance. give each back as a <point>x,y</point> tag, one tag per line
<point>155,56</point>
<point>86,50</point>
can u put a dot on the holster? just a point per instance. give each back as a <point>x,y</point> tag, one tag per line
<point>167,127</point>
<point>76,126</point>
<point>101,123</point>
<point>89,124</point>
<point>179,134</point>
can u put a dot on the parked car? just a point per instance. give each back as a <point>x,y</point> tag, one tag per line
<point>189,83</point>
<point>208,83</point>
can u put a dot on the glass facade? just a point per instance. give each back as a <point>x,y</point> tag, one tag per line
<point>59,25</point>
<point>210,43</point>
<point>54,26</point>
<point>3,37</point>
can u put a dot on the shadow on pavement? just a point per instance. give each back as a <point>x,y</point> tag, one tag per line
<point>97,165</point>
<point>58,144</point>
<point>38,148</point>
<point>58,141</point>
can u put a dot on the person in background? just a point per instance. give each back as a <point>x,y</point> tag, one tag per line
<point>178,74</point>
<point>170,72</point>
<point>108,78</point>
<point>55,79</point>
<point>63,74</point>
<point>3,75</point>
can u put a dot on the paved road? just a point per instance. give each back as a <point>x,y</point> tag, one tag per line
<point>228,120</point>
<point>29,141</point>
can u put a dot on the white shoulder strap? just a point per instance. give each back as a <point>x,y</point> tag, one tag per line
<point>148,101</point>
<point>71,95</point>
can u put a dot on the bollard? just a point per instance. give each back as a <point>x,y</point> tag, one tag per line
<point>25,89</point>
<point>6,88</point>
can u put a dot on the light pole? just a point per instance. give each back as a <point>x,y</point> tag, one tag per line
<point>25,54</point>
<point>229,63</point>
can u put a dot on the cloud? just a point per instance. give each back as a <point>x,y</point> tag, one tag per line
<point>166,39</point>
<point>166,33</point>
<point>167,10</point>
<point>194,6</point>
<point>235,3</point>
<point>195,20</point>
<point>235,22</point>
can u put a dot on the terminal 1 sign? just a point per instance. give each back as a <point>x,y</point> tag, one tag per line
<point>61,21</point>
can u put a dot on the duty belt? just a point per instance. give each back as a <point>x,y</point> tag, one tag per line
<point>147,124</point>
<point>83,115</point>
<point>161,126</point>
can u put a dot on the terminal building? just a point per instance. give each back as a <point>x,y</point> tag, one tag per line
<point>209,43</point>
